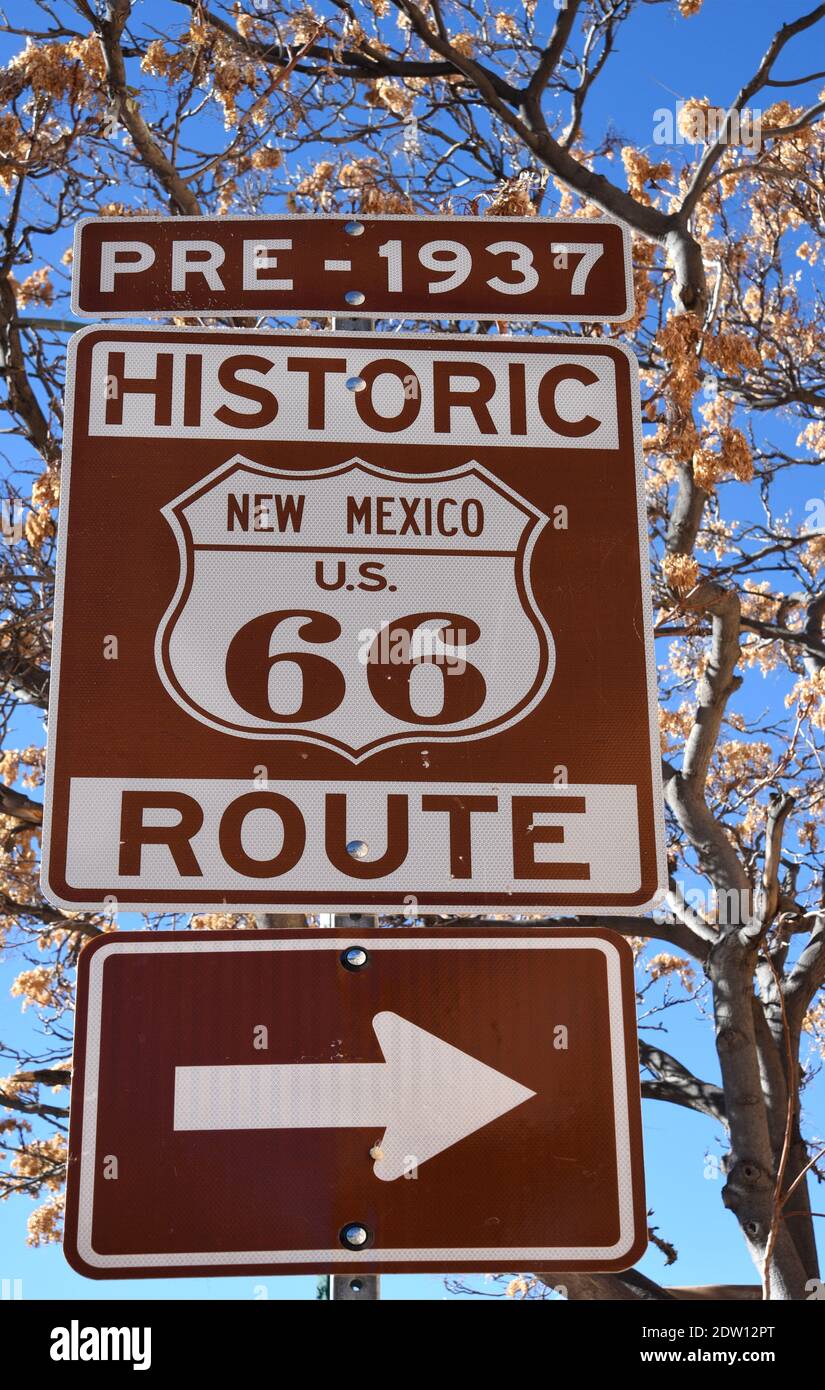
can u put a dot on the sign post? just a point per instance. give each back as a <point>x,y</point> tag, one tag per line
<point>343,1288</point>
<point>362,1288</point>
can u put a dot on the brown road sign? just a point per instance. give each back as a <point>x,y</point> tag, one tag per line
<point>353,624</point>
<point>509,268</point>
<point>387,1101</point>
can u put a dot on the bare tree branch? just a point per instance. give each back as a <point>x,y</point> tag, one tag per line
<point>675,1083</point>
<point>756,83</point>
<point>110,30</point>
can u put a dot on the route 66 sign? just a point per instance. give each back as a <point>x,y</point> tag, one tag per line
<point>231,661</point>
<point>352,623</point>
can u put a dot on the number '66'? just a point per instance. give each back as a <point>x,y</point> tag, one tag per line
<point>250,663</point>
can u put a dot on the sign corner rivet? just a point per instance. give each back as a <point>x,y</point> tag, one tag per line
<point>354,1236</point>
<point>354,958</point>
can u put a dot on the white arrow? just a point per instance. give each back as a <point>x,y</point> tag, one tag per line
<point>426,1095</point>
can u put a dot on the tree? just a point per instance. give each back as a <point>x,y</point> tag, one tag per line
<point>481,106</point>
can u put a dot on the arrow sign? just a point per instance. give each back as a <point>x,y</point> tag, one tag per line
<point>427,1095</point>
<point>520,1042</point>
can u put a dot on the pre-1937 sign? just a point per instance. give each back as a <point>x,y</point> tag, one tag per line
<point>406,267</point>
<point>352,622</point>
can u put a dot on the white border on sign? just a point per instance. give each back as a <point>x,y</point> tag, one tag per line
<point>520,1256</point>
<point>119,333</point>
<point>348,311</point>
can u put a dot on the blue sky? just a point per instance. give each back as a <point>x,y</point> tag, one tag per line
<point>661,58</point>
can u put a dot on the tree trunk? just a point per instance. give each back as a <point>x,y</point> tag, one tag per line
<point>749,1190</point>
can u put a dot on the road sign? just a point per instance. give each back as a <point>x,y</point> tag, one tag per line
<point>391,1101</point>
<point>509,268</point>
<point>354,624</point>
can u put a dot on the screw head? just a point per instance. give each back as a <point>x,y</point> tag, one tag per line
<point>355,383</point>
<point>354,1236</point>
<point>354,297</point>
<point>359,849</point>
<point>354,957</point>
<point>354,228</point>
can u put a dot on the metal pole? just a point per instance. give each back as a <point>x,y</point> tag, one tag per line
<point>354,1288</point>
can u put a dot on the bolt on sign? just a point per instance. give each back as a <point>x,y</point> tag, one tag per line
<point>356,623</point>
<point>393,1101</point>
<point>509,268</point>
